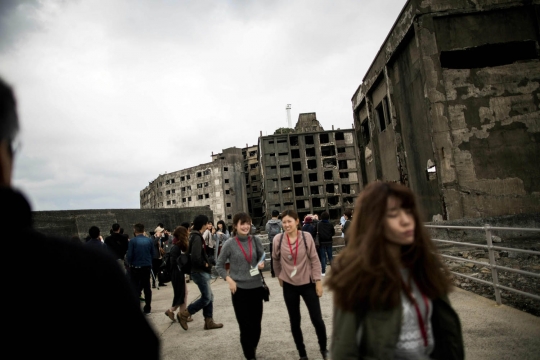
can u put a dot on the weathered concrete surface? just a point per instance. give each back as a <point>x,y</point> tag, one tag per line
<point>68,223</point>
<point>490,331</point>
<point>460,81</point>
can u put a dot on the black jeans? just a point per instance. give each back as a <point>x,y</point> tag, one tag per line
<point>248,308</point>
<point>292,294</point>
<point>140,277</point>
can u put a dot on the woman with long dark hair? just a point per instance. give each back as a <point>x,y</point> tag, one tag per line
<point>244,253</point>
<point>178,278</point>
<point>298,269</point>
<point>390,287</point>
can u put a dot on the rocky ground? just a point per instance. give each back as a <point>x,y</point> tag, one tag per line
<point>510,259</point>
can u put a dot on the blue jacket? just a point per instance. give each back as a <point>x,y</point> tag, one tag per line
<point>140,251</point>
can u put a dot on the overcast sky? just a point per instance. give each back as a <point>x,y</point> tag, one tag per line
<point>112,93</point>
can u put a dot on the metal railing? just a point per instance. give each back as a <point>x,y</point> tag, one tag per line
<point>491,255</point>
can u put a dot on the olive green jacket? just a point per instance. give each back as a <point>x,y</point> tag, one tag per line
<point>380,333</point>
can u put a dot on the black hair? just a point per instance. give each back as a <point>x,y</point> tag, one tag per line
<point>93,232</point>
<point>199,222</point>
<point>275,213</point>
<point>160,225</point>
<point>116,227</point>
<point>186,224</point>
<point>138,228</point>
<point>325,215</point>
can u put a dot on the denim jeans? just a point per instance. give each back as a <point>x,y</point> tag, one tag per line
<point>206,301</point>
<point>323,251</point>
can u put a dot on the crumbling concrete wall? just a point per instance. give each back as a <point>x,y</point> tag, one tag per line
<point>68,223</point>
<point>463,86</point>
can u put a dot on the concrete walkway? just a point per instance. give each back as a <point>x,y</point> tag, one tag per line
<point>490,331</point>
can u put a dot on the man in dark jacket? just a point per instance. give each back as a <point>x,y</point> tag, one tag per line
<point>200,274</point>
<point>118,245</point>
<point>326,232</point>
<point>78,288</point>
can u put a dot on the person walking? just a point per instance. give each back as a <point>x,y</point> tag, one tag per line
<point>273,227</point>
<point>117,244</point>
<point>157,259</point>
<point>200,274</point>
<point>139,257</point>
<point>390,286</point>
<point>326,233</point>
<point>298,269</point>
<point>178,279</point>
<point>244,253</point>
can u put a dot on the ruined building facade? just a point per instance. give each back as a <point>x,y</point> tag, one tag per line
<point>219,185</point>
<point>310,170</point>
<point>450,107</point>
<point>253,183</point>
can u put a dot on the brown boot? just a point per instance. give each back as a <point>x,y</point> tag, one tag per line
<point>209,324</point>
<point>182,317</point>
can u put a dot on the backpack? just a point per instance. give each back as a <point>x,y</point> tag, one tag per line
<point>274,230</point>
<point>184,263</point>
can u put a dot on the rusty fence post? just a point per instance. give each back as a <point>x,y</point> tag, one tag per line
<point>494,273</point>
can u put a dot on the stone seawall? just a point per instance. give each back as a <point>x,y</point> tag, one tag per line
<point>68,223</point>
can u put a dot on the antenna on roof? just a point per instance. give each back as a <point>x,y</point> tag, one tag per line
<point>288,108</point>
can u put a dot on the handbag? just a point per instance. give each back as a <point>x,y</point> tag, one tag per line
<point>317,243</point>
<point>266,289</point>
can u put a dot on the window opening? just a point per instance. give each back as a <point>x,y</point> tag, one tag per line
<point>333,200</point>
<point>342,164</point>
<point>295,154</point>
<point>312,164</point>
<point>328,175</point>
<point>328,150</point>
<point>330,188</point>
<point>309,139</point>
<point>345,189</point>
<point>297,166</point>
<point>364,128</point>
<point>293,140</point>
<point>316,202</point>
<point>324,138</point>
<point>314,190</point>
<point>313,177</point>
<point>297,178</point>
<point>340,136</point>
<point>299,191</point>
<point>310,152</point>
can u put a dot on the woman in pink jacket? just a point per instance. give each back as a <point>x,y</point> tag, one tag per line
<point>298,269</point>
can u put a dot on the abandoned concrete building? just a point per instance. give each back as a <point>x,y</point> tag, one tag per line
<point>450,107</point>
<point>310,170</point>
<point>253,183</point>
<point>219,185</point>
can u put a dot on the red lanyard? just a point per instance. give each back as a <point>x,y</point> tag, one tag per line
<point>244,252</point>
<point>294,256</point>
<point>421,323</point>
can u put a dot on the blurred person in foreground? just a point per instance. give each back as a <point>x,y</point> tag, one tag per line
<point>390,287</point>
<point>92,294</point>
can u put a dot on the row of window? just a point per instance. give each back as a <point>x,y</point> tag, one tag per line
<point>188,177</point>
<point>324,138</point>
